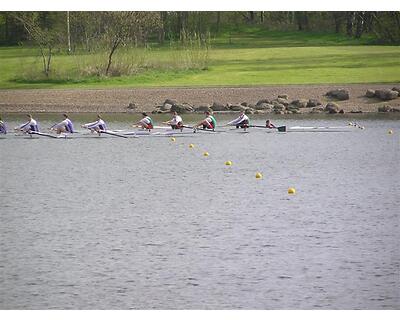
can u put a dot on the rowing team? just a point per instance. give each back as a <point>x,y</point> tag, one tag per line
<point>66,125</point>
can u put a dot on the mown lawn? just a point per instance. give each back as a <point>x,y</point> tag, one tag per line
<point>236,59</point>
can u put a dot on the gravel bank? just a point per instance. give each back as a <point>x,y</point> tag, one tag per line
<point>117,100</point>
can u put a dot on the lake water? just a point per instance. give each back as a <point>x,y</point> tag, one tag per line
<point>149,223</point>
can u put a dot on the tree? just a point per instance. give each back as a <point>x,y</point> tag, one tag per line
<point>302,20</point>
<point>119,27</point>
<point>349,23</point>
<point>44,32</point>
<point>359,24</point>
<point>338,19</point>
<point>68,33</point>
<point>386,26</point>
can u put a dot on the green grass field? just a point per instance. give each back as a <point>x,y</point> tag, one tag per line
<point>246,58</point>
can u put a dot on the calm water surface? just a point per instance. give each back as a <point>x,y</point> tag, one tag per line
<point>148,223</point>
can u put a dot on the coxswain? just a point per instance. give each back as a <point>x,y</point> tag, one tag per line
<point>3,128</point>
<point>240,122</point>
<point>146,122</point>
<point>269,124</point>
<point>208,123</point>
<point>31,125</point>
<point>64,126</point>
<point>98,125</point>
<point>176,122</point>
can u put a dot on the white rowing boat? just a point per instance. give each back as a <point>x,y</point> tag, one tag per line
<point>320,129</point>
<point>105,134</point>
<point>168,132</point>
<point>306,129</point>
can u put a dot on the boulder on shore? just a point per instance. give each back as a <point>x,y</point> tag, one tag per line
<point>131,106</point>
<point>283,96</point>
<point>279,108</point>
<point>339,94</point>
<point>370,93</point>
<point>263,101</point>
<point>170,101</point>
<point>264,106</point>
<point>283,101</point>
<point>385,108</point>
<point>166,107</point>
<point>332,107</point>
<point>317,110</point>
<point>386,94</point>
<point>299,103</point>
<point>203,109</point>
<point>237,108</point>
<point>312,103</point>
<point>182,108</point>
<point>216,106</point>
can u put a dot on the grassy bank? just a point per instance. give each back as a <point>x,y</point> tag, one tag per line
<point>245,58</point>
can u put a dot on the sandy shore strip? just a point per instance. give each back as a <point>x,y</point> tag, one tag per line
<point>146,99</point>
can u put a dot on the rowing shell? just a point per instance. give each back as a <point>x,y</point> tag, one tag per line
<point>169,133</point>
<point>320,129</point>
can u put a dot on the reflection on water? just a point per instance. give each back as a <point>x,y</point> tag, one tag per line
<point>152,224</point>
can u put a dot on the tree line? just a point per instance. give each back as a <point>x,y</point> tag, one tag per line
<point>73,32</point>
<point>85,27</point>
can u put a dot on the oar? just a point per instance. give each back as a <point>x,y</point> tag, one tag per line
<point>112,134</point>
<point>42,134</point>
<point>206,130</point>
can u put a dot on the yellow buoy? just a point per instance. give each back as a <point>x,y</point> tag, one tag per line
<point>390,132</point>
<point>191,146</point>
<point>228,163</point>
<point>350,123</point>
<point>291,191</point>
<point>259,175</point>
<point>205,154</point>
<point>173,139</point>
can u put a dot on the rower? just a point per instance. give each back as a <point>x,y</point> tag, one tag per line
<point>176,122</point>
<point>208,123</point>
<point>3,128</point>
<point>269,124</point>
<point>240,122</point>
<point>146,122</point>
<point>98,125</point>
<point>31,125</point>
<point>64,126</point>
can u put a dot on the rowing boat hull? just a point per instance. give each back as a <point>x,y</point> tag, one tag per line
<point>320,129</point>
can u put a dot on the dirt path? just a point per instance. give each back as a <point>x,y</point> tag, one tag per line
<point>117,100</point>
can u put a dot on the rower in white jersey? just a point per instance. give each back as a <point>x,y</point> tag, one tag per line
<point>64,126</point>
<point>240,122</point>
<point>96,126</point>
<point>146,122</point>
<point>176,122</point>
<point>3,128</point>
<point>29,126</point>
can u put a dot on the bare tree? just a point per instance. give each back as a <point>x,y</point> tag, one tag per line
<point>359,24</point>
<point>337,17</point>
<point>68,33</point>
<point>120,27</point>
<point>46,37</point>
<point>350,23</point>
